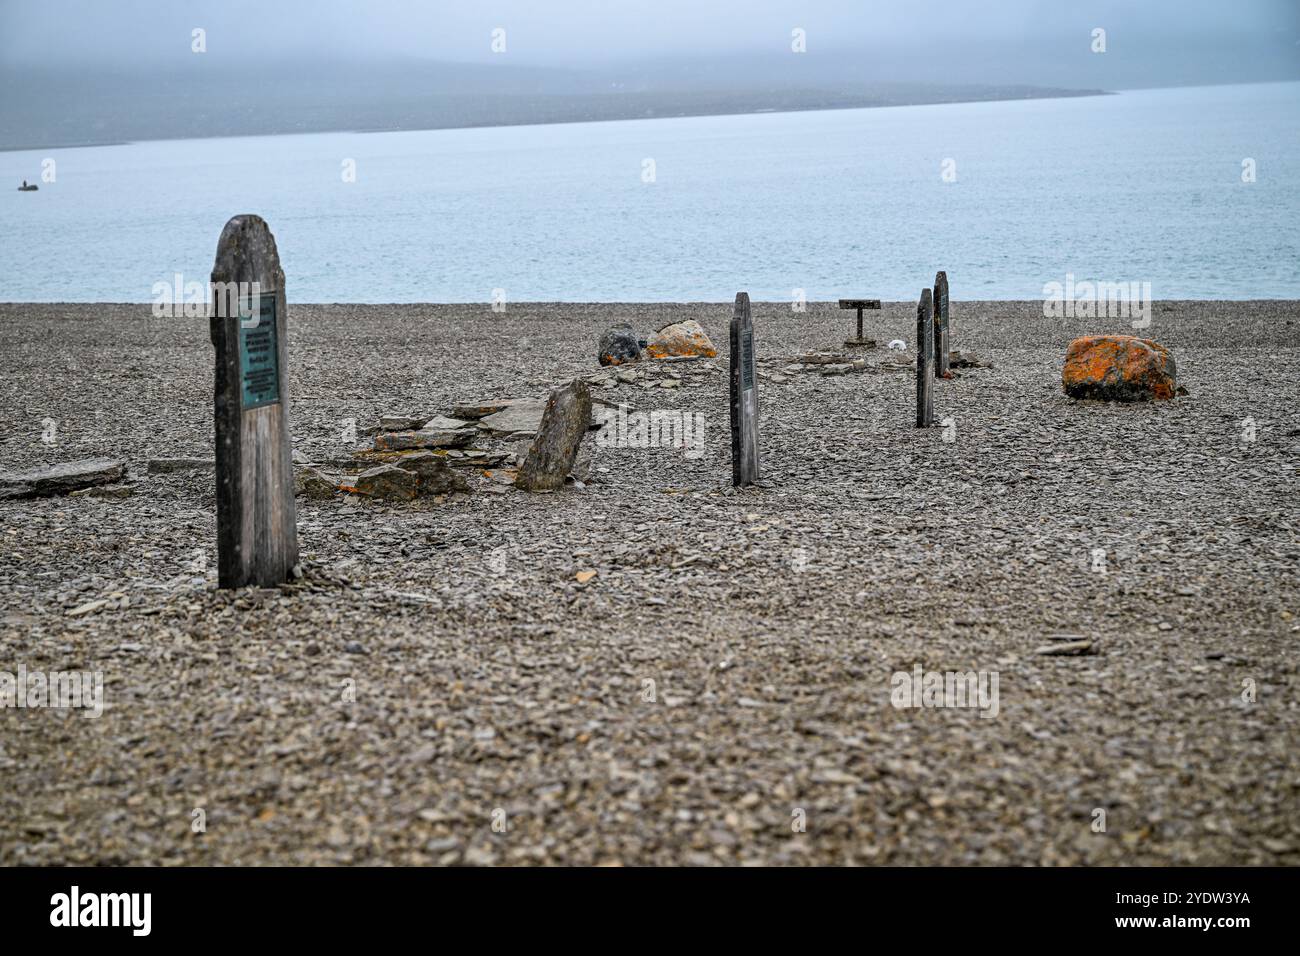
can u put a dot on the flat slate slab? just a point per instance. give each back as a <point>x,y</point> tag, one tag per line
<point>400,423</point>
<point>522,417</point>
<point>63,478</point>
<point>484,409</point>
<point>428,438</point>
<point>443,423</point>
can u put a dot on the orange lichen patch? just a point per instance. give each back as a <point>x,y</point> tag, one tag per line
<point>1118,368</point>
<point>682,338</point>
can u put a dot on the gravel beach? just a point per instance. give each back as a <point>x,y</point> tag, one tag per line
<point>440,687</point>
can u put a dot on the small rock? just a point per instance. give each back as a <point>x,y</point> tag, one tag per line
<point>90,607</point>
<point>966,360</point>
<point>1066,649</point>
<point>386,481</point>
<point>618,346</point>
<point>313,483</point>
<point>424,754</point>
<point>400,423</point>
<point>436,475</point>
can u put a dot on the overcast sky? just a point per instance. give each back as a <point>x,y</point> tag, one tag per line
<point>137,33</point>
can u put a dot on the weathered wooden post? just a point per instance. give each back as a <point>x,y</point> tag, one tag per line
<point>941,325</point>
<point>744,396</point>
<point>257,524</point>
<point>860,304</point>
<point>924,362</point>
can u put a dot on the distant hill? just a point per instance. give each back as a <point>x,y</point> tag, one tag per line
<point>42,108</point>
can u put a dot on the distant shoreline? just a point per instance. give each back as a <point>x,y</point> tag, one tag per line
<point>1046,94</point>
<point>782,305</point>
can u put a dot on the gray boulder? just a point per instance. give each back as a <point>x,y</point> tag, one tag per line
<point>618,346</point>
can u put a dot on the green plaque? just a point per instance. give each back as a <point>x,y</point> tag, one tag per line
<point>259,352</point>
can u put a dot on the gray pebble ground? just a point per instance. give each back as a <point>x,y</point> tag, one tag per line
<point>487,678</point>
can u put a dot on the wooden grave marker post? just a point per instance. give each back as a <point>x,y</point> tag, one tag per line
<point>924,361</point>
<point>860,304</point>
<point>257,523</point>
<point>941,354</point>
<point>744,396</point>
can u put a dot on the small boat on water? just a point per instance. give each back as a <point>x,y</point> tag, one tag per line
<point>27,187</point>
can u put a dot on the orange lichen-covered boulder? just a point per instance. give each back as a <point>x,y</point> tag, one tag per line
<point>1118,368</point>
<point>681,338</point>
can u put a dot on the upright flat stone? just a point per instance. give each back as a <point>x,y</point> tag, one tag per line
<point>553,452</point>
<point>257,523</point>
<point>924,361</point>
<point>941,325</point>
<point>744,396</point>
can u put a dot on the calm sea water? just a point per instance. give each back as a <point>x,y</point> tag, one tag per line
<point>1144,186</point>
